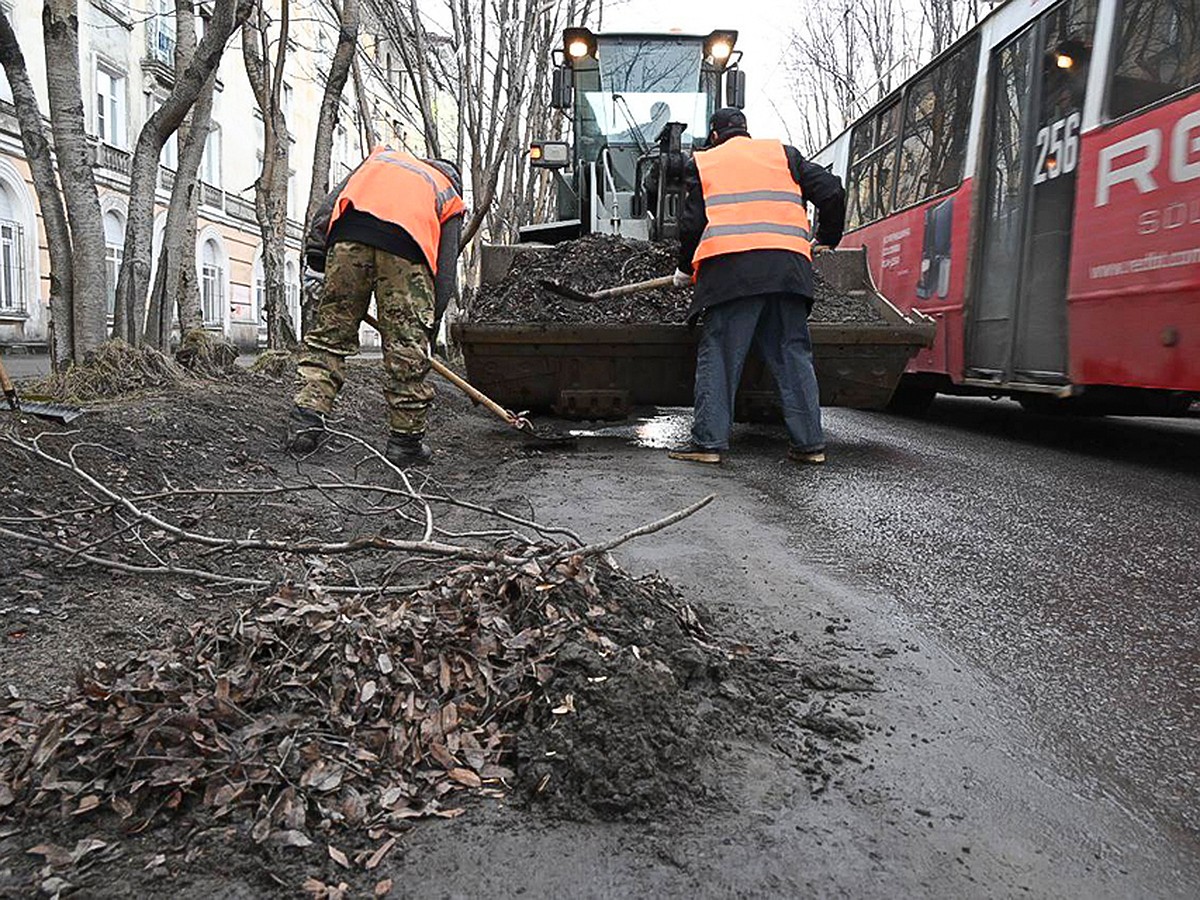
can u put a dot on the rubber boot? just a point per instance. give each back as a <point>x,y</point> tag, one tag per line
<point>306,430</point>
<point>404,450</point>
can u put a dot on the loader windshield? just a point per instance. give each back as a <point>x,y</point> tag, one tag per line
<point>644,83</point>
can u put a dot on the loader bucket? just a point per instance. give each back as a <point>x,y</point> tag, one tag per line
<point>605,371</point>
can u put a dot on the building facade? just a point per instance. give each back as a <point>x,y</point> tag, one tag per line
<point>126,58</point>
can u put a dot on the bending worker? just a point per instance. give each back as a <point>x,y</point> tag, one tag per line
<point>391,228</point>
<point>744,230</point>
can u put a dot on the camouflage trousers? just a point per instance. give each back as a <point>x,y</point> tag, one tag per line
<point>404,306</point>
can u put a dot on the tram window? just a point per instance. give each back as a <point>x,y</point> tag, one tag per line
<point>937,116</point>
<point>1158,52</point>
<point>872,148</point>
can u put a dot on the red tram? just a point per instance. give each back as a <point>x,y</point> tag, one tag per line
<point>1036,190</point>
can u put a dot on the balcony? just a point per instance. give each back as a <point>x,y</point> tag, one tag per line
<point>212,196</point>
<point>113,159</point>
<point>166,178</point>
<point>240,209</point>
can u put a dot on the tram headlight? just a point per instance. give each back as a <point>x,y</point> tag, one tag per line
<point>1065,61</point>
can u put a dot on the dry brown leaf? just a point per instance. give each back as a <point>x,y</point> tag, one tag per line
<point>385,664</point>
<point>377,857</point>
<point>338,857</point>
<point>86,805</point>
<point>465,777</point>
<point>6,794</point>
<point>291,838</point>
<point>322,776</point>
<point>367,692</point>
<point>58,857</point>
<point>314,886</point>
<point>383,888</point>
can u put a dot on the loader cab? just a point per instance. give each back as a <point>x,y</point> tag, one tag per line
<point>639,105</point>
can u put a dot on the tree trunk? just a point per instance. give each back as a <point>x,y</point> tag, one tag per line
<point>177,256</point>
<point>271,186</point>
<point>331,103</point>
<point>60,26</point>
<point>139,231</point>
<point>45,184</point>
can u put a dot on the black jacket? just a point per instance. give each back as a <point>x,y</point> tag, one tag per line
<point>364,228</point>
<point>756,272</point>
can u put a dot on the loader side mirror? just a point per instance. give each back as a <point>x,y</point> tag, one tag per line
<point>735,88</point>
<point>560,89</point>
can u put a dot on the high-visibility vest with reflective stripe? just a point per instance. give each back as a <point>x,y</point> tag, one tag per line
<point>751,200</point>
<point>399,188</point>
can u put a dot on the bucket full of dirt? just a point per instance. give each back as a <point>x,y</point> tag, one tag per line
<point>531,348</point>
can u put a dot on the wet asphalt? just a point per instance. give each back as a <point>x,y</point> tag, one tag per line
<point>1060,555</point>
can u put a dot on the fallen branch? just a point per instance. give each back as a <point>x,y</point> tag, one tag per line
<point>117,565</point>
<point>649,528</point>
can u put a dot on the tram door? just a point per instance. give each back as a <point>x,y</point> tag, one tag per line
<point>1019,313</point>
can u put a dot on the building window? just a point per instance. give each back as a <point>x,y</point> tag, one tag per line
<point>12,256</point>
<point>114,248</point>
<point>291,194</point>
<point>212,283</point>
<point>210,166</point>
<point>1158,52</point>
<point>292,287</point>
<point>12,267</point>
<point>160,32</point>
<point>110,107</point>
<point>168,158</point>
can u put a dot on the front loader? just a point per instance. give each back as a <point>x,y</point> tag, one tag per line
<point>639,106</point>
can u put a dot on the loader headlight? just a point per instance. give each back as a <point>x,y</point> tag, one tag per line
<point>549,155</point>
<point>718,47</point>
<point>579,43</point>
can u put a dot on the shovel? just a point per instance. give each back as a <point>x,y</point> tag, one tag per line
<point>512,419</point>
<point>621,290</point>
<point>54,412</point>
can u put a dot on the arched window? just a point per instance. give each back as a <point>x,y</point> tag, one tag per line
<point>292,283</point>
<point>114,247</point>
<point>212,282</point>
<point>260,293</point>
<point>12,255</point>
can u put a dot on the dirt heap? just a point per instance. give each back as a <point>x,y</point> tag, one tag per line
<point>307,713</point>
<point>599,261</point>
<point>591,263</point>
<point>112,369</point>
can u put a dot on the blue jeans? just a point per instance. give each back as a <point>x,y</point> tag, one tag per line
<point>777,326</point>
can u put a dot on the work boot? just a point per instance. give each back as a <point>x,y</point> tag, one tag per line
<point>693,452</point>
<point>813,457</point>
<point>306,430</point>
<point>404,450</point>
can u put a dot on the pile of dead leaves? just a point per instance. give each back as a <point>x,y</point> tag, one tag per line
<point>306,713</point>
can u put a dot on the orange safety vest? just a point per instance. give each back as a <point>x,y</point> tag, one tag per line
<point>751,200</point>
<point>399,188</point>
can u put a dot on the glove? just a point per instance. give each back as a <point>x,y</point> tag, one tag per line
<point>312,281</point>
<point>681,279</point>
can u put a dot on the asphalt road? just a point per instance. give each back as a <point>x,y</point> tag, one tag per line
<point>1061,555</point>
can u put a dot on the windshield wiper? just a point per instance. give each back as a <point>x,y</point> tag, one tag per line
<point>634,128</point>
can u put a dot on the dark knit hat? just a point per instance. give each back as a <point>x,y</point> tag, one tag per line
<point>728,122</point>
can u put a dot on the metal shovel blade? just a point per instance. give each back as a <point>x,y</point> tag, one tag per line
<point>53,412</point>
<point>565,290</point>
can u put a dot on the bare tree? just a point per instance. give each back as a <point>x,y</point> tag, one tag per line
<point>134,277</point>
<point>331,104</point>
<point>175,282</point>
<point>60,28</point>
<point>45,184</point>
<point>271,187</point>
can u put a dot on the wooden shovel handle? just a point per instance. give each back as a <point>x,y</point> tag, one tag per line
<point>625,290</point>
<point>461,383</point>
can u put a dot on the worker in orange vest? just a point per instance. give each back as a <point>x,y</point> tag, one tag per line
<point>391,229</point>
<point>747,245</point>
